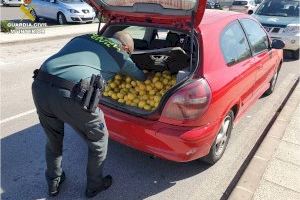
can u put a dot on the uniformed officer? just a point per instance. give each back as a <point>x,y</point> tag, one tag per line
<point>52,91</point>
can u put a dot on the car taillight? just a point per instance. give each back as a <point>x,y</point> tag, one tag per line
<point>188,103</point>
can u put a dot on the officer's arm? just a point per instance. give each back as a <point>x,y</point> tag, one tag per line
<point>129,68</point>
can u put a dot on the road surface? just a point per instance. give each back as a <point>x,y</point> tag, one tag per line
<point>136,175</point>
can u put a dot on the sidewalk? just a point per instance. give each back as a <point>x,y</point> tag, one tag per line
<point>50,33</point>
<point>274,171</point>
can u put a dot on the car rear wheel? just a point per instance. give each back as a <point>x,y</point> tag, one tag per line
<point>273,81</point>
<point>61,19</point>
<point>219,145</point>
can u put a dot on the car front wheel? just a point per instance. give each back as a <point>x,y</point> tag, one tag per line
<point>61,19</point>
<point>219,145</point>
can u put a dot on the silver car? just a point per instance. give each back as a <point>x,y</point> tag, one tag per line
<point>63,11</point>
<point>12,2</point>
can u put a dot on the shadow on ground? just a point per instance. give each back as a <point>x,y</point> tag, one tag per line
<point>136,175</point>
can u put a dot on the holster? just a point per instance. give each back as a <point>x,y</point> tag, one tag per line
<point>89,95</point>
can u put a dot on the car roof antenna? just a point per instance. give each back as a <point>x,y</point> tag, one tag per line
<point>192,40</point>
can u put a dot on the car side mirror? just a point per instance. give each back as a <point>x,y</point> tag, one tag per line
<point>277,44</point>
<point>250,12</point>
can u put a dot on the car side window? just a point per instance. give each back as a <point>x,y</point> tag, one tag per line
<point>234,44</point>
<point>257,36</point>
<point>136,32</point>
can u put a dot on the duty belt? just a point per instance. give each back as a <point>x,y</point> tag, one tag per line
<point>53,80</point>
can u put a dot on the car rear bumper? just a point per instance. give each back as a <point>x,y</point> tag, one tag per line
<point>176,143</point>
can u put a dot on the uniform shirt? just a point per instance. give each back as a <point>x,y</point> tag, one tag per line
<point>91,54</point>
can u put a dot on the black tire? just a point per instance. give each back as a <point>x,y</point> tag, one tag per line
<point>273,82</point>
<point>219,145</point>
<point>61,19</point>
<point>35,15</point>
<point>296,54</point>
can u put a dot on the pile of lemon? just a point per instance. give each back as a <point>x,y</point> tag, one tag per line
<point>142,94</point>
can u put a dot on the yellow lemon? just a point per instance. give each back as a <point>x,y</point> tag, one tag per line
<point>152,92</point>
<point>113,85</point>
<point>148,87</point>
<point>128,102</point>
<point>155,79</point>
<point>147,82</point>
<point>128,79</point>
<point>118,77</point>
<point>142,93</point>
<point>133,104</point>
<point>141,104</point>
<point>158,85</point>
<point>136,100</point>
<point>110,93</point>
<point>142,87</point>
<point>120,95</point>
<point>130,96</point>
<point>147,107</point>
<point>158,74</point>
<point>133,83</point>
<point>156,98</point>
<point>166,72</point>
<point>105,93</point>
<point>121,100</point>
<point>156,104</point>
<point>128,85</point>
<point>114,96</point>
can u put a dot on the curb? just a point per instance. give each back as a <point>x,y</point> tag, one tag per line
<point>250,179</point>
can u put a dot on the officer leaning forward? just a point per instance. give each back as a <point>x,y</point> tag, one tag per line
<point>67,88</point>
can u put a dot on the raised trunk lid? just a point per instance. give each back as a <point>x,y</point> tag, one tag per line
<point>165,12</point>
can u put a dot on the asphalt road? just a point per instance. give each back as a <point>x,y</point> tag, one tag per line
<point>136,175</point>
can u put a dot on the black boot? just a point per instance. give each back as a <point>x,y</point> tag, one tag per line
<point>107,182</point>
<point>54,184</point>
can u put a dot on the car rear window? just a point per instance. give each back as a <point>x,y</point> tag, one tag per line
<point>240,3</point>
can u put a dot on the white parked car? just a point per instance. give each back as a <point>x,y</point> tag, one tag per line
<point>63,11</point>
<point>280,18</point>
<point>242,6</point>
<point>12,2</point>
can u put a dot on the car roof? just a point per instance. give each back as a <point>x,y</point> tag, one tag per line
<point>212,16</point>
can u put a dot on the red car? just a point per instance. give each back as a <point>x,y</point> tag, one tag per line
<point>223,61</point>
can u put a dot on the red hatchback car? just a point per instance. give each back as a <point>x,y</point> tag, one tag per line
<point>223,61</point>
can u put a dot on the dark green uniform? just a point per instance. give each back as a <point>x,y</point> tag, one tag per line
<point>79,59</point>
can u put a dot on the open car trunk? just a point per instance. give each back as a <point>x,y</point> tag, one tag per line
<point>162,52</point>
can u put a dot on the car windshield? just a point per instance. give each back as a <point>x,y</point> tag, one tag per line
<point>239,3</point>
<point>281,8</point>
<point>72,1</point>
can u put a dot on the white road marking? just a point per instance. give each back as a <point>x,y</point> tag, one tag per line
<point>17,116</point>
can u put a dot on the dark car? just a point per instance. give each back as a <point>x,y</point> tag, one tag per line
<point>210,4</point>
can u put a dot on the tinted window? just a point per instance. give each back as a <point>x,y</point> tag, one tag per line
<point>234,44</point>
<point>240,3</point>
<point>257,36</point>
